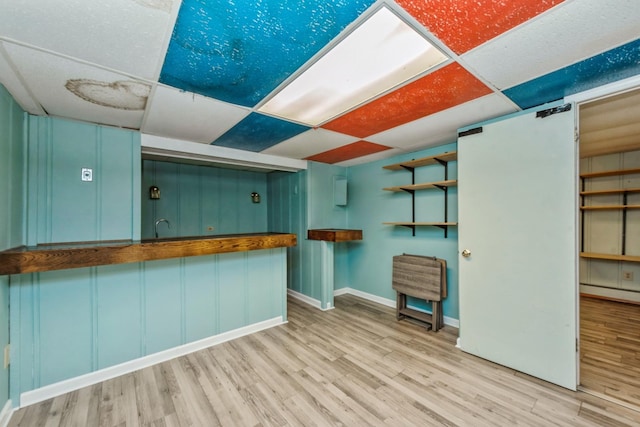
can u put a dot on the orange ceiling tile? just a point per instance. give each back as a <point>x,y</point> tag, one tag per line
<point>348,152</point>
<point>442,89</point>
<point>465,24</point>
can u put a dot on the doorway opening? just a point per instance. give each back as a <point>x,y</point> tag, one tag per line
<point>609,271</point>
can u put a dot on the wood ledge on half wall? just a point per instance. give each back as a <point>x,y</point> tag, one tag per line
<point>60,256</point>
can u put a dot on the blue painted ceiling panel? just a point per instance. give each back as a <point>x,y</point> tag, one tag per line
<point>258,132</point>
<point>615,64</point>
<point>240,51</point>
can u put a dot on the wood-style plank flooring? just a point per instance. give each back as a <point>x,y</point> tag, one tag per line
<point>352,366</point>
<point>610,349</point>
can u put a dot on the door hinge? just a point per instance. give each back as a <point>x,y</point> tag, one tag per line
<point>577,345</point>
<point>551,111</point>
<point>7,355</point>
<point>470,132</point>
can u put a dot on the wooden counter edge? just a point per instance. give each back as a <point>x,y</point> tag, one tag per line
<point>32,261</point>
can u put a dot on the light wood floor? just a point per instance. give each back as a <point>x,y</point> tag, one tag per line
<point>610,349</point>
<point>352,366</point>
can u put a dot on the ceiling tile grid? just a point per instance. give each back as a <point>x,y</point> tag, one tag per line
<point>198,70</point>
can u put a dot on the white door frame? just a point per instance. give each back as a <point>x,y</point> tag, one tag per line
<point>577,99</point>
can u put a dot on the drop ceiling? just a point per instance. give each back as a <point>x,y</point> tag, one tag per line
<point>200,70</point>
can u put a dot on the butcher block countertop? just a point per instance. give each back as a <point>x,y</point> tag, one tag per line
<point>62,256</point>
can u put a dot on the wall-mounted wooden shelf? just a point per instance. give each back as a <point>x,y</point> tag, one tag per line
<point>608,207</point>
<point>610,257</point>
<point>442,159</point>
<point>611,192</point>
<point>610,173</point>
<point>423,186</point>
<point>424,161</point>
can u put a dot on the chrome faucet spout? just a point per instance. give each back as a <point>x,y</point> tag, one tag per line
<point>158,222</point>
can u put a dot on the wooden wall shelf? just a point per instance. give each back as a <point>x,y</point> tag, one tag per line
<point>90,254</point>
<point>610,257</point>
<point>442,159</point>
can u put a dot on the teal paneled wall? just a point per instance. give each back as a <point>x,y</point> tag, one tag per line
<point>72,322</point>
<point>370,261</point>
<point>11,207</point>
<point>287,214</point>
<point>194,198</point>
<point>63,208</point>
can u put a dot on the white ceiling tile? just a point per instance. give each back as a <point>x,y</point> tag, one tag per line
<point>566,34</point>
<point>371,157</point>
<point>48,76</point>
<point>185,115</point>
<point>442,127</point>
<point>311,142</point>
<point>127,35</point>
<point>16,88</point>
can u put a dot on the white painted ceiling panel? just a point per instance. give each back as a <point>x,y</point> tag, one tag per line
<point>371,157</point>
<point>137,31</point>
<point>311,142</point>
<point>47,76</point>
<point>185,115</point>
<point>567,34</point>
<point>442,127</point>
<point>13,84</point>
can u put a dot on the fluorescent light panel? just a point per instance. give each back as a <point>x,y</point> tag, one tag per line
<point>380,54</point>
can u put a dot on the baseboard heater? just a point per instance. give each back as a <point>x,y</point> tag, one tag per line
<point>421,277</point>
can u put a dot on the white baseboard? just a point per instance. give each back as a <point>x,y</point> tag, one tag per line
<point>5,414</point>
<point>308,300</point>
<point>390,303</point>
<point>56,389</point>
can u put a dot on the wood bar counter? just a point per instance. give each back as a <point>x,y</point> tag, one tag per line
<point>89,254</point>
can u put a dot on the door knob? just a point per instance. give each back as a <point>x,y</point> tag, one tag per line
<point>466,253</point>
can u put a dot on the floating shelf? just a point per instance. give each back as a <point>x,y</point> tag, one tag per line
<point>608,207</point>
<point>609,192</point>
<point>424,161</point>
<point>424,186</point>
<point>610,257</point>
<point>609,173</point>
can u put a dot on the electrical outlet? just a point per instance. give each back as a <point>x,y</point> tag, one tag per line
<point>627,275</point>
<point>87,174</point>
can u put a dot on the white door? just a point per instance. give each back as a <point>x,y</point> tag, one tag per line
<point>517,201</point>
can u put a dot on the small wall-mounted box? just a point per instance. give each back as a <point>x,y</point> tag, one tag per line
<point>340,191</point>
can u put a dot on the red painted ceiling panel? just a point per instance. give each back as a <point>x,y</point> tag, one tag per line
<point>442,89</point>
<point>348,152</point>
<point>465,24</point>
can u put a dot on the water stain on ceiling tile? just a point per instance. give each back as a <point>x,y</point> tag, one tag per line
<point>241,51</point>
<point>123,95</point>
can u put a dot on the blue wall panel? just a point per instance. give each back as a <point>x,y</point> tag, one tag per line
<point>64,324</point>
<point>73,322</point>
<point>11,207</point>
<point>162,315</point>
<point>61,207</point>
<point>370,261</point>
<point>118,298</point>
<point>194,198</point>
<point>200,297</point>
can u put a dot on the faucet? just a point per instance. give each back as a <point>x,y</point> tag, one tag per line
<point>158,222</point>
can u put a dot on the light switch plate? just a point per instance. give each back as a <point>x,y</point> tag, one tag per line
<point>87,174</point>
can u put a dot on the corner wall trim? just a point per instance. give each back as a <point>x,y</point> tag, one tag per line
<point>307,299</point>
<point>71,384</point>
<point>5,414</point>
<point>390,303</point>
